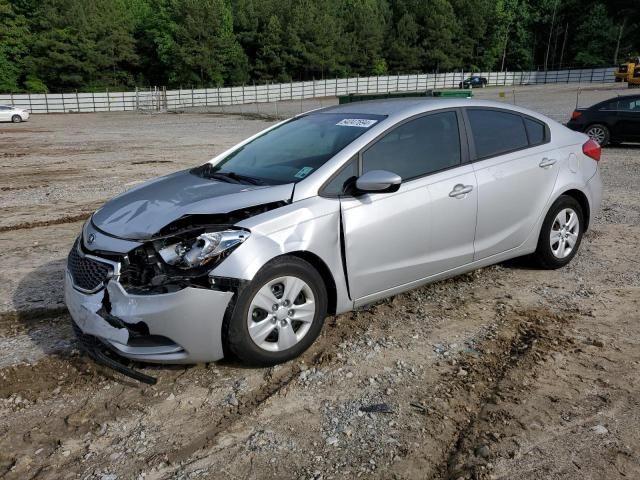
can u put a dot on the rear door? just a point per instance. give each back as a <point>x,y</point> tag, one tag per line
<point>516,170</point>
<point>628,119</point>
<point>428,225</point>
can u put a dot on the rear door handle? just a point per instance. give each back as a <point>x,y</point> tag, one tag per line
<point>547,162</point>
<point>460,190</point>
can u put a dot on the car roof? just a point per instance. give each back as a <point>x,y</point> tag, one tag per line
<point>399,107</point>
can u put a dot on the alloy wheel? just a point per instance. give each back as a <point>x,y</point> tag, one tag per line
<point>564,233</point>
<point>281,313</point>
<point>598,134</point>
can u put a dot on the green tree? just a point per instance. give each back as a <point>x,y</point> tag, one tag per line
<point>269,61</point>
<point>202,49</point>
<point>14,41</point>
<point>596,35</point>
<point>96,44</point>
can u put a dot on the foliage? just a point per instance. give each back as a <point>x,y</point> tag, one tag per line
<point>54,45</point>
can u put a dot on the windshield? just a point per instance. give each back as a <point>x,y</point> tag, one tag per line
<point>292,151</point>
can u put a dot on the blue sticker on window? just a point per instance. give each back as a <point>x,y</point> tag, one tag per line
<point>303,172</point>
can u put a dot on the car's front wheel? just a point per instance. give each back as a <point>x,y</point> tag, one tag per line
<point>561,233</point>
<point>16,119</point>
<point>599,133</point>
<point>278,315</point>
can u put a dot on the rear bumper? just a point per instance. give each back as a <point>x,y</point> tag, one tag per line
<point>576,127</point>
<point>178,327</point>
<point>594,187</point>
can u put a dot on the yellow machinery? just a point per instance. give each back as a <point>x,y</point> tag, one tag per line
<point>634,77</point>
<point>626,70</point>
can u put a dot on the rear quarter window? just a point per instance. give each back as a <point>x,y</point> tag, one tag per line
<point>536,131</point>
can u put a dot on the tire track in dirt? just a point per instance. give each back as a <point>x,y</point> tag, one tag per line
<point>46,223</point>
<point>536,331</point>
<point>276,380</point>
<point>517,337</point>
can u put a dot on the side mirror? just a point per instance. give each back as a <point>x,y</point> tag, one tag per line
<point>378,181</point>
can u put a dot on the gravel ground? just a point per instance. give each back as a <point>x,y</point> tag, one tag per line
<point>506,372</point>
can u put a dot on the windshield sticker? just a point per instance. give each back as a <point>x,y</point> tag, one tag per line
<point>303,172</point>
<point>356,122</point>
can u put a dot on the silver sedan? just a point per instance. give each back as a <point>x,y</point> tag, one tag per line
<point>336,208</point>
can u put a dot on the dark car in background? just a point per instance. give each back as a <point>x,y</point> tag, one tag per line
<point>473,82</point>
<point>612,121</point>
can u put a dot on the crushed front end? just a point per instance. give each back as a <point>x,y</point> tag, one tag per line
<point>124,296</point>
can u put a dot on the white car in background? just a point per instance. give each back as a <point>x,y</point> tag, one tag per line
<point>9,113</point>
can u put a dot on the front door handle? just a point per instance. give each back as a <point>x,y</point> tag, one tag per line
<point>547,162</point>
<point>460,190</point>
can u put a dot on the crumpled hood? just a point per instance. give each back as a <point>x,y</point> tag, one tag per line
<point>141,212</point>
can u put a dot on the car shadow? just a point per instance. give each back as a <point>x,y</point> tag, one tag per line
<point>38,303</point>
<point>520,263</point>
<point>623,146</point>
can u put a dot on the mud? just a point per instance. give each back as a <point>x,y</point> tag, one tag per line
<point>507,372</point>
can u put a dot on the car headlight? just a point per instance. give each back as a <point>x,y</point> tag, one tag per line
<point>203,249</point>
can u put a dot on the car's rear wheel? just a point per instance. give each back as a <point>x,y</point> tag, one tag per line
<point>16,119</point>
<point>561,233</point>
<point>278,315</point>
<point>618,79</point>
<point>599,133</point>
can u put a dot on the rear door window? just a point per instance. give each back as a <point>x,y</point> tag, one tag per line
<point>632,105</point>
<point>496,132</point>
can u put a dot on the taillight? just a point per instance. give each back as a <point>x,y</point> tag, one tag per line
<point>575,114</point>
<point>592,149</point>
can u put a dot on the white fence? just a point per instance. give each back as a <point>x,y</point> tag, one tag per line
<point>162,99</point>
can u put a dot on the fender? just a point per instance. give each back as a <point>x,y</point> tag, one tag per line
<point>309,225</point>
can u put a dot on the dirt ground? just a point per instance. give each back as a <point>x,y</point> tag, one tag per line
<point>505,373</point>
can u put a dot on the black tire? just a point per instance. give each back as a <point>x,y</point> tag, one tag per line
<point>544,256</point>
<point>606,138</point>
<point>16,119</point>
<point>235,330</point>
<point>618,80</point>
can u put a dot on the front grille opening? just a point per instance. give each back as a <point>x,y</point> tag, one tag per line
<point>87,274</point>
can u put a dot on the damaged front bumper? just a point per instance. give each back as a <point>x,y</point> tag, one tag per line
<point>177,327</point>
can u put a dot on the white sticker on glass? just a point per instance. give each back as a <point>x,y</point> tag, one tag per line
<point>356,122</point>
<point>303,172</point>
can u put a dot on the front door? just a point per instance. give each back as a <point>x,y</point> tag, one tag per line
<point>428,225</point>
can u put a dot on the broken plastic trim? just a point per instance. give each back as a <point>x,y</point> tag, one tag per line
<point>96,351</point>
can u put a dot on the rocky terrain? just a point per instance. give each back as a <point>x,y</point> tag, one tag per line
<point>507,372</point>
